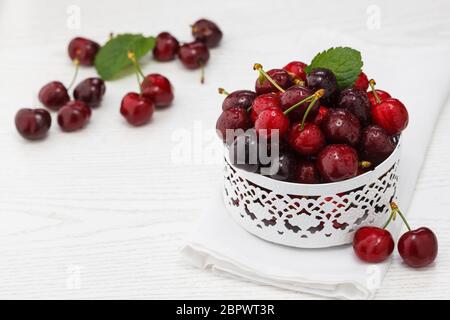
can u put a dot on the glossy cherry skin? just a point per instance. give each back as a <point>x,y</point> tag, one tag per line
<point>193,55</point>
<point>362,82</point>
<point>323,111</point>
<point>239,99</point>
<point>231,120</point>
<point>84,50</point>
<point>284,166</point>
<point>33,124</point>
<point>322,78</point>
<point>90,91</point>
<point>341,126</point>
<point>243,152</point>
<point>337,162</point>
<point>307,173</point>
<point>73,115</point>
<point>280,76</point>
<point>270,121</point>
<point>292,96</point>
<point>157,88</point>
<point>136,109</point>
<point>296,70</point>
<point>207,32</point>
<point>376,145</point>
<point>372,244</point>
<point>264,102</point>
<point>418,248</point>
<point>391,115</point>
<point>166,47</point>
<point>356,101</point>
<point>53,95</point>
<point>307,141</point>
<point>382,95</point>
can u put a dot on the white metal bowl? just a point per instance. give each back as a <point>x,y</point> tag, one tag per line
<point>310,215</point>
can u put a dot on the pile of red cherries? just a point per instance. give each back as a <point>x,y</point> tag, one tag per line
<point>325,134</point>
<point>155,90</point>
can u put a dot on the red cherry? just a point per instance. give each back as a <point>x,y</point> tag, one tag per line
<point>280,76</point>
<point>296,70</point>
<point>362,82</point>
<point>232,119</point>
<point>372,244</point>
<point>270,120</point>
<point>73,115</point>
<point>90,91</point>
<point>239,98</point>
<point>418,248</point>
<point>391,115</point>
<point>307,141</point>
<point>166,47</point>
<point>292,96</point>
<point>136,109</point>
<point>263,102</point>
<point>307,173</point>
<point>376,144</point>
<point>194,55</point>
<point>323,111</point>
<point>341,126</point>
<point>53,95</point>
<point>157,88</point>
<point>337,162</point>
<point>207,32</point>
<point>382,95</point>
<point>33,124</point>
<point>84,50</point>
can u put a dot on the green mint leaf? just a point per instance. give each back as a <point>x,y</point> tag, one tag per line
<point>113,56</point>
<point>344,62</point>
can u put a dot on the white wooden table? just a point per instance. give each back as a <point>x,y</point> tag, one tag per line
<point>101,213</point>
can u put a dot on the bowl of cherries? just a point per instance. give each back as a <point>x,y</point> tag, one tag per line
<point>311,154</point>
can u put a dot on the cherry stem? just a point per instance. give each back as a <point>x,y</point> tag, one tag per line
<point>264,74</point>
<point>316,96</point>
<point>396,209</point>
<point>372,84</point>
<point>76,63</point>
<point>223,91</point>
<point>202,72</point>
<point>365,164</point>
<point>137,69</point>
<point>307,99</point>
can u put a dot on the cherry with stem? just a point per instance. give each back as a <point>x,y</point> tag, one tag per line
<point>263,75</point>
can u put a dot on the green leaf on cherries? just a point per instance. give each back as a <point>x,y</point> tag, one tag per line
<point>344,62</point>
<point>113,56</point>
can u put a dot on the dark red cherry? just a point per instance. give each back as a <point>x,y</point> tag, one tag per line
<point>263,102</point>
<point>157,88</point>
<point>90,91</point>
<point>307,141</point>
<point>243,152</point>
<point>84,50</point>
<point>136,109</point>
<point>362,82</point>
<point>337,162</point>
<point>376,144</point>
<point>391,115</point>
<point>239,99</point>
<point>418,248</point>
<point>357,102</point>
<point>296,70</point>
<point>283,167</point>
<point>307,173</point>
<point>292,96</point>
<point>207,32</point>
<point>53,95</point>
<point>73,115</point>
<point>372,244</point>
<point>33,124</point>
<point>341,126</point>
<point>166,47</point>
<point>382,95</point>
<point>231,120</point>
<point>270,121</point>
<point>194,55</point>
<point>280,76</point>
<point>322,78</point>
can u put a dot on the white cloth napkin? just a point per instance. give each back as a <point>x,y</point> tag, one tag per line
<point>419,77</point>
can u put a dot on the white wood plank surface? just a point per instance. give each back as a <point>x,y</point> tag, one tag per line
<point>101,213</point>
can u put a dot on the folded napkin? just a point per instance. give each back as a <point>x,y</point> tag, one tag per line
<point>220,245</point>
